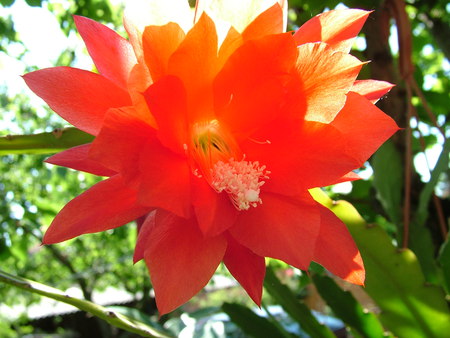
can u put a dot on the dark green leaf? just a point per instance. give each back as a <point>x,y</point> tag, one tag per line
<point>444,260</point>
<point>294,307</point>
<point>252,324</point>
<point>34,3</point>
<point>346,307</point>
<point>388,180</point>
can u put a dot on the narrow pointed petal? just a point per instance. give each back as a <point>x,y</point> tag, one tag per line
<point>180,260</point>
<point>336,250</point>
<point>282,228</point>
<point>167,102</point>
<point>143,236</point>
<point>165,179</point>
<point>112,54</point>
<point>138,83</point>
<point>238,13</point>
<point>77,158</point>
<point>248,268</point>
<point>78,96</point>
<point>142,13</point>
<point>258,96</point>
<point>364,126</point>
<point>214,211</point>
<point>107,205</point>
<point>351,176</point>
<point>268,22</point>
<point>120,142</point>
<point>327,76</point>
<point>159,43</point>
<point>372,90</point>
<point>195,63</point>
<point>338,28</point>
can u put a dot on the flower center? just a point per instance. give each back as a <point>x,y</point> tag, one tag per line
<point>215,151</point>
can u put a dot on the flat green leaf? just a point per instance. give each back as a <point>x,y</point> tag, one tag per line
<point>420,239</point>
<point>347,308</point>
<point>252,324</point>
<point>410,308</point>
<point>113,318</point>
<point>294,307</point>
<point>444,261</point>
<point>388,186</point>
<point>44,143</point>
<point>428,189</point>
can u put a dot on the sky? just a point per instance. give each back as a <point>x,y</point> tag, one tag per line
<point>40,32</point>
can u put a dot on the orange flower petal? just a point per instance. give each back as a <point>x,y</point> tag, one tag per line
<point>120,141</point>
<point>92,212</point>
<point>195,63</point>
<point>214,211</point>
<point>282,228</point>
<point>327,76</point>
<point>338,28</point>
<point>268,22</point>
<point>248,268</point>
<point>238,13</point>
<point>167,102</point>
<point>77,158</point>
<point>159,43</point>
<point>336,250</point>
<point>165,179</point>
<point>112,54</point>
<point>364,127</point>
<point>180,260</point>
<point>142,13</point>
<point>372,90</point>
<point>78,96</point>
<point>256,98</point>
<point>138,83</point>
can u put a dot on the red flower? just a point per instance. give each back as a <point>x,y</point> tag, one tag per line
<point>216,133</point>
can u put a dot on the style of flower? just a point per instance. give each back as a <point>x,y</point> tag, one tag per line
<point>212,129</point>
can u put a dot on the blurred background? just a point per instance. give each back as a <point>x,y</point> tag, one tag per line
<point>405,192</point>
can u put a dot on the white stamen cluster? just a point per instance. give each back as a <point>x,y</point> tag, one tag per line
<point>241,180</point>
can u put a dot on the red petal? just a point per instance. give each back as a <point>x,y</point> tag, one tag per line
<point>107,205</point>
<point>143,13</point>
<point>268,22</point>
<point>120,142</point>
<point>327,76</point>
<point>159,43</point>
<point>364,127</point>
<point>138,83</point>
<point>282,228</point>
<point>336,250</point>
<point>372,90</point>
<point>214,211</point>
<point>248,268</point>
<point>195,63</point>
<point>351,176</point>
<point>167,102</point>
<point>77,158</point>
<point>112,54</point>
<point>181,261</point>
<point>338,28</point>
<point>143,235</point>
<point>165,179</point>
<point>78,96</point>
<point>258,96</point>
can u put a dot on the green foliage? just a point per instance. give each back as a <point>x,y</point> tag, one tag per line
<point>44,143</point>
<point>252,324</point>
<point>389,187</point>
<point>410,307</point>
<point>283,296</point>
<point>346,307</point>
